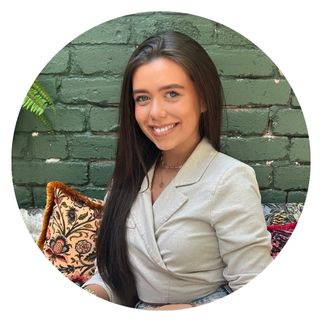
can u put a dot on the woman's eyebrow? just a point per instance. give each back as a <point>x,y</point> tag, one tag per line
<point>165,87</point>
<point>171,86</point>
<point>136,91</point>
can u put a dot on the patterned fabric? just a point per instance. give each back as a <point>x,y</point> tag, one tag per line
<point>71,232</point>
<point>282,213</point>
<point>281,221</point>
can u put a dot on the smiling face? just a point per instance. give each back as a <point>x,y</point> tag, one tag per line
<point>167,107</point>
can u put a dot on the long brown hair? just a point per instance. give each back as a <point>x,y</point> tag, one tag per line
<point>136,153</point>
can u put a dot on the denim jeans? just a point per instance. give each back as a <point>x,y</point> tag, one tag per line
<point>219,293</point>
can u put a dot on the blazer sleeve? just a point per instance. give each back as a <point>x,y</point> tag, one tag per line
<point>239,223</point>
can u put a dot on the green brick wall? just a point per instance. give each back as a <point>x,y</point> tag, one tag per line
<point>263,124</point>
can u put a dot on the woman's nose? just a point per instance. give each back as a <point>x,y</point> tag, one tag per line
<point>157,110</point>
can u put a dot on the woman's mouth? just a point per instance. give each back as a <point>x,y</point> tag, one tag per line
<point>163,130</point>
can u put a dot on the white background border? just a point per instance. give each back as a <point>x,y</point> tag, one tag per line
<point>32,32</point>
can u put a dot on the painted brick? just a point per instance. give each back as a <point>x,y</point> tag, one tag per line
<point>20,145</point>
<point>291,177</point>
<point>255,148</point>
<point>100,173</point>
<point>227,36</point>
<point>39,194</point>
<point>240,62</point>
<point>40,172</point>
<point>264,175</point>
<point>50,84</point>
<point>93,90</point>
<point>69,119</point>
<point>92,192</point>
<point>296,196</point>
<point>287,121</point>
<point>300,150</point>
<point>273,196</point>
<point>116,31</point>
<point>198,28</point>
<point>92,146</point>
<point>294,101</point>
<point>245,121</point>
<point>40,146</point>
<point>45,146</point>
<point>256,91</point>
<point>63,118</point>
<point>103,119</point>
<point>101,59</point>
<point>28,122</point>
<point>23,196</point>
<point>58,64</point>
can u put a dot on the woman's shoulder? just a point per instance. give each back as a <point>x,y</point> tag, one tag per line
<point>222,163</point>
<point>218,163</point>
<point>229,160</point>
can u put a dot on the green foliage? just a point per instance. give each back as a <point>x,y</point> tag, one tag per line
<point>36,102</point>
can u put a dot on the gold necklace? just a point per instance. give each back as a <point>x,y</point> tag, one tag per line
<point>166,166</point>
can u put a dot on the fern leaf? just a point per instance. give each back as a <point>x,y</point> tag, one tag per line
<point>32,106</point>
<point>38,88</point>
<point>36,101</point>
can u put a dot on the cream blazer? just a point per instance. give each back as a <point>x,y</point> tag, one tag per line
<point>206,229</point>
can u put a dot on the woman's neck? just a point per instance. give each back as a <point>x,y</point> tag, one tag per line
<point>177,157</point>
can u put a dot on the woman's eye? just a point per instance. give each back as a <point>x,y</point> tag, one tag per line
<point>171,94</point>
<point>141,99</point>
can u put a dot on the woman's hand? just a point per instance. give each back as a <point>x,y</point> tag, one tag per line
<point>97,290</point>
<point>173,307</point>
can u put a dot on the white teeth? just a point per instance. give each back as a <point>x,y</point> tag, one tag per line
<point>163,129</point>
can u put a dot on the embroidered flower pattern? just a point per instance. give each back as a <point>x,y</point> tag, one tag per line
<point>71,214</point>
<point>71,235</point>
<point>83,247</point>
<point>78,279</point>
<point>56,249</point>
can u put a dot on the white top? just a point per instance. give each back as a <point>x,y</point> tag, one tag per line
<point>205,229</point>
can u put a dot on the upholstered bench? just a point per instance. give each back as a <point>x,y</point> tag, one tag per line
<point>65,230</point>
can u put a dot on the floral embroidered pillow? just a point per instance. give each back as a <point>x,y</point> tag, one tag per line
<point>69,230</point>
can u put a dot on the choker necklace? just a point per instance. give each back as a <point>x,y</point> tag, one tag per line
<point>166,166</point>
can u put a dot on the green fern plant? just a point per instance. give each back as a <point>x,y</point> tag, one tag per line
<point>37,101</point>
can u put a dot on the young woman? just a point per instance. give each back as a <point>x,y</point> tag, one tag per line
<point>183,223</point>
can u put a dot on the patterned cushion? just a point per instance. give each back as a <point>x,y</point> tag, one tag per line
<point>281,220</point>
<point>69,228</point>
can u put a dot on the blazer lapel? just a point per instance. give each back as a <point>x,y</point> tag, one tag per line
<point>196,165</point>
<point>172,198</point>
<point>143,216</point>
<point>167,204</point>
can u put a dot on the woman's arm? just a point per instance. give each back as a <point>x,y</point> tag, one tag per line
<point>97,290</point>
<point>98,287</point>
<point>240,226</point>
